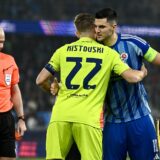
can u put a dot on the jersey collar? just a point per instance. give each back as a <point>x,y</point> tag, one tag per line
<point>86,39</point>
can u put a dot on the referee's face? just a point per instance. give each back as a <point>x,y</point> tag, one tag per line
<point>104,30</point>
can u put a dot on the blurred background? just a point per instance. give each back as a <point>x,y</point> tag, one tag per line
<point>36,28</point>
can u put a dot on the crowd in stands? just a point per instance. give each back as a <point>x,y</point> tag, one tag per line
<point>130,12</point>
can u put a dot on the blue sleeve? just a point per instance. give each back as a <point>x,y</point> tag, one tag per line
<point>141,44</point>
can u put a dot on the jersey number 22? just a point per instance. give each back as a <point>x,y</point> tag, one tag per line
<point>77,67</point>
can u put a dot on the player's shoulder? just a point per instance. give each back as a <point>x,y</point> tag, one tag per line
<point>108,49</point>
<point>6,56</point>
<point>133,38</point>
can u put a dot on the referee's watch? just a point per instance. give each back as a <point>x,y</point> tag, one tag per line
<point>21,117</point>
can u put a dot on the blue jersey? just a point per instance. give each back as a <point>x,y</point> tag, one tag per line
<point>128,101</point>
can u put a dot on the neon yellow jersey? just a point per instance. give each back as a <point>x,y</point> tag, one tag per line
<point>85,67</point>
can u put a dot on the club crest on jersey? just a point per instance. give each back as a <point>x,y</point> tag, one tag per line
<point>124,57</point>
<point>8,79</point>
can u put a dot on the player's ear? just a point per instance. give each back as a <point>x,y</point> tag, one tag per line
<point>114,26</point>
<point>77,34</point>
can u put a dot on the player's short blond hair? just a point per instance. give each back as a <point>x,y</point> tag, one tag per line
<point>84,22</point>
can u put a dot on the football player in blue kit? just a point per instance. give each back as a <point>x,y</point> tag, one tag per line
<point>129,126</point>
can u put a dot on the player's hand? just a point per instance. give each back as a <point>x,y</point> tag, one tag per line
<point>144,69</point>
<point>54,87</point>
<point>21,127</point>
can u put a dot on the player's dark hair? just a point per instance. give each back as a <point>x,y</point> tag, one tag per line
<point>108,13</point>
<point>84,22</point>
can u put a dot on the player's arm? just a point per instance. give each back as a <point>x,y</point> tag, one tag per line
<point>152,56</point>
<point>44,79</point>
<point>55,86</point>
<point>156,60</point>
<point>144,69</point>
<point>130,75</point>
<point>16,99</point>
<point>133,76</point>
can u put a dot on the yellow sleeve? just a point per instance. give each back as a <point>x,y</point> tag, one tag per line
<point>55,60</point>
<point>150,54</point>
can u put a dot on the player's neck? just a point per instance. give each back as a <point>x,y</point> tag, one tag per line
<point>110,41</point>
<point>89,35</point>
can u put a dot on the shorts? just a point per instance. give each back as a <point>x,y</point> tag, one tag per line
<point>61,135</point>
<point>137,137</point>
<point>7,135</point>
<point>73,153</point>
